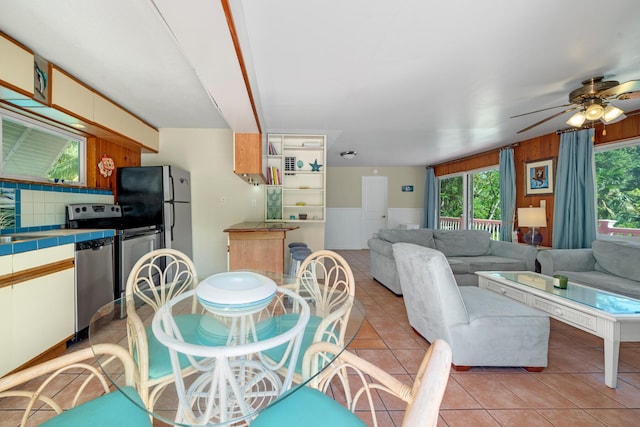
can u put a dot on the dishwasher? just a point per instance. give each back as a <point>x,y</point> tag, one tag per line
<point>94,280</point>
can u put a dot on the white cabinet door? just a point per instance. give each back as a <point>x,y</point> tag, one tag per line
<point>43,314</point>
<point>6,326</point>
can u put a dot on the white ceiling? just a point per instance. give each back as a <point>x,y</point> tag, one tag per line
<point>409,82</point>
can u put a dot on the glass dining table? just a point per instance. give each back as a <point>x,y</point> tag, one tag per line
<point>238,363</point>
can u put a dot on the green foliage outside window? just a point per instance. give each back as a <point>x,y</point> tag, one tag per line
<point>486,195</point>
<point>618,186</point>
<point>66,166</point>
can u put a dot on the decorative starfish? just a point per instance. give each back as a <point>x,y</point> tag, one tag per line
<point>315,167</point>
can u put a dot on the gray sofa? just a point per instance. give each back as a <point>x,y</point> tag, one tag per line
<point>610,265</point>
<point>467,251</point>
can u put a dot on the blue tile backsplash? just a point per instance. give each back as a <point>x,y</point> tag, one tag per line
<point>40,207</point>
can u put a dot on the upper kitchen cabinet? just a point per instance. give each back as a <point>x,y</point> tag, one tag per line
<point>115,118</point>
<point>248,157</point>
<point>71,96</point>
<point>16,67</point>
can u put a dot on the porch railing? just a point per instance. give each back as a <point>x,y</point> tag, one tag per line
<point>491,225</point>
<point>606,226</point>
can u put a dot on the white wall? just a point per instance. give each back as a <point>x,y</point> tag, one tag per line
<point>208,155</point>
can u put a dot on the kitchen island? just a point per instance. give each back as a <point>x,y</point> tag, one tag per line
<point>258,245</point>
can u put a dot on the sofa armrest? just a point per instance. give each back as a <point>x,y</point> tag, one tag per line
<point>527,253</point>
<point>553,260</point>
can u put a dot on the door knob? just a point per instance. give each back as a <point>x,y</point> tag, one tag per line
<point>384,216</point>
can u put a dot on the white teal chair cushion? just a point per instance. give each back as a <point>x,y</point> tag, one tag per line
<point>279,324</point>
<point>361,386</point>
<point>112,409</point>
<point>159,362</point>
<point>307,407</point>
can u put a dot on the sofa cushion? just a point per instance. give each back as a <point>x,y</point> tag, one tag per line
<point>617,257</point>
<point>494,263</point>
<point>422,236</point>
<point>458,265</point>
<point>462,242</point>
<point>604,281</point>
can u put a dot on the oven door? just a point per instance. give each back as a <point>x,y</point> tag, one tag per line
<point>132,246</point>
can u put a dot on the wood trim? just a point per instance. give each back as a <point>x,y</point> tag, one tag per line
<point>34,273</point>
<point>243,68</point>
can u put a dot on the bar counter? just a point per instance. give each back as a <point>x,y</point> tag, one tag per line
<point>258,245</point>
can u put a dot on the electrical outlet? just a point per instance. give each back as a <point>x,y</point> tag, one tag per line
<point>253,202</point>
<point>222,200</point>
<point>543,204</point>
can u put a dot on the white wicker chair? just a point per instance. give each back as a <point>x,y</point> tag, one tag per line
<point>325,280</point>
<point>156,278</point>
<point>34,395</point>
<point>359,382</point>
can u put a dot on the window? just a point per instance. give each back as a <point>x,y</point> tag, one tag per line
<point>618,189</point>
<point>34,151</point>
<point>471,200</point>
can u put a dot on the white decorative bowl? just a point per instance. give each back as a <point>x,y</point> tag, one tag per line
<point>235,291</point>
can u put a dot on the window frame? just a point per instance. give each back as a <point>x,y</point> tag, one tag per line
<point>599,148</point>
<point>45,127</point>
<point>467,190</point>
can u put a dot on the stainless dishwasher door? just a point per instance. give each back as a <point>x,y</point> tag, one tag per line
<point>94,279</point>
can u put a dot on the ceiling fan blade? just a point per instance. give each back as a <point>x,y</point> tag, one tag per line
<point>537,111</point>
<point>621,91</point>
<point>548,118</point>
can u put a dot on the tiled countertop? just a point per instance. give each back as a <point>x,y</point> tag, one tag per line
<point>49,238</point>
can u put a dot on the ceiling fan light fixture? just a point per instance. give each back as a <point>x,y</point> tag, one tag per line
<point>348,154</point>
<point>594,111</point>
<point>611,113</point>
<point>577,119</point>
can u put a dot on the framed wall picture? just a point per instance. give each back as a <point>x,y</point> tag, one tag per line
<point>539,177</point>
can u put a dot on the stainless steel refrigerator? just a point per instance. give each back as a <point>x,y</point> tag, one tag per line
<point>161,196</point>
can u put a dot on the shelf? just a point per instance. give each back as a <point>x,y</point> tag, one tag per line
<point>292,173</point>
<point>295,156</point>
<point>299,148</point>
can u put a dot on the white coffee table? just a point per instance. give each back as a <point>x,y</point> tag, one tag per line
<point>613,317</point>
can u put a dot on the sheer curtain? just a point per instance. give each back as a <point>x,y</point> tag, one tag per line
<point>574,214</point>
<point>430,200</point>
<point>507,193</point>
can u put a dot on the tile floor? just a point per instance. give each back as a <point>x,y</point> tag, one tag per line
<point>569,392</point>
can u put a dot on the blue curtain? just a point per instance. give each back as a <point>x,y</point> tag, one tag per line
<point>574,214</point>
<point>431,210</point>
<point>507,193</point>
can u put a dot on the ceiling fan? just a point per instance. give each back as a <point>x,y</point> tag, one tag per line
<point>591,102</point>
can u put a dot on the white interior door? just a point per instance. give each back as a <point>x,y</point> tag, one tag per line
<point>374,206</point>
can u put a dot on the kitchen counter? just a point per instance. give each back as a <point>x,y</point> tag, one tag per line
<point>262,226</point>
<point>258,245</point>
<point>31,241</point>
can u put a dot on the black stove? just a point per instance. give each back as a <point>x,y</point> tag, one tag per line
<point>91,215</point>
<point>105,216</point>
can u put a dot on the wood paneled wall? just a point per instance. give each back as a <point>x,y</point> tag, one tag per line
<point>540,148</point>
<point>122,155</point>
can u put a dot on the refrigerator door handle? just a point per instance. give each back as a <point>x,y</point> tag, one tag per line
<point>173,218</point>
<point>172,196</point>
